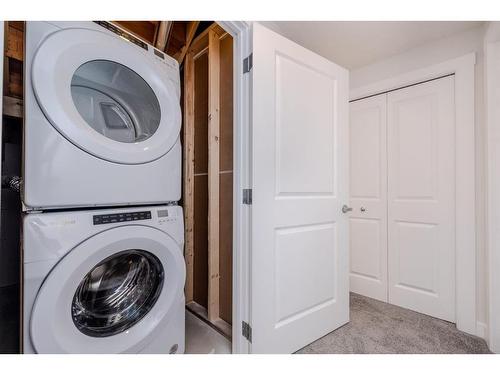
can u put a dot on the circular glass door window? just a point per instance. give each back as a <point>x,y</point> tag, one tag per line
<point>115,101</point>
<point>117,293</point>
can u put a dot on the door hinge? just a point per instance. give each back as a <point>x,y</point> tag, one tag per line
<point>247,63</point>
<point>246,331</point>
<point>247,196</point>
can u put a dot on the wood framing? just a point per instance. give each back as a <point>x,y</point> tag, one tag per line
<point>13,58</point>
<point>162,34</point>
<point>188,166</point>
<point>213,174</point>
<point>202,176</point>
<point>15,40</point>
<point>145,30</point>
<point>190,32</point>
<point>465,222</point>
<point>13,107</point>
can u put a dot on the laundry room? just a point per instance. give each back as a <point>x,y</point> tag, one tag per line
<point>190,60</point>
<point>236,187</point>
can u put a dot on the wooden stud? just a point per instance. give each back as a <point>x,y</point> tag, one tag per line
<point>189,174</point>
<point>213,174</point>
<point>191,30</point>
<point>12,107</point>
<point>15,43</point>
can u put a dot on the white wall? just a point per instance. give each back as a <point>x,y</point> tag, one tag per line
<point>429,54</point>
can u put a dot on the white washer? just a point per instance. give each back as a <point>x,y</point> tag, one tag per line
<point>102,118</point>
<point>104,281</point>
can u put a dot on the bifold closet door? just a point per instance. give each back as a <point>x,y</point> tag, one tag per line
<point>368,197</point>
<point>421,198</point>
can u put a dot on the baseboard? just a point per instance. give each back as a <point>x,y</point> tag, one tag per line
<point>482,330</point>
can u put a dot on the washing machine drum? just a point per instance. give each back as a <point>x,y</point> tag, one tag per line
<point>109,294</point>
<point>106,96</point>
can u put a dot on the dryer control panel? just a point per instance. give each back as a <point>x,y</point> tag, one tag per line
<point>121,217</point>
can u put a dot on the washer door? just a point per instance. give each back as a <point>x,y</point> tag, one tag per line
<point>106,96</point>
<point>110,293</point>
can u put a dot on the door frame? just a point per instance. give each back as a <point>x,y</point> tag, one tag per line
<point>465,190</point>
<point>241,32</point>
<point>492,59</point>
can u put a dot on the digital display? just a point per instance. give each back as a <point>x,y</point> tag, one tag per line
<point>162,213</point>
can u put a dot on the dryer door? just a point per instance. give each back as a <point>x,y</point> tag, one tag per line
<point>110,293</point>
<point>108,97</point>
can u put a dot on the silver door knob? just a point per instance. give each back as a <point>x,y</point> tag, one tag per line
<point>362,209</point>
<point>346,208</point>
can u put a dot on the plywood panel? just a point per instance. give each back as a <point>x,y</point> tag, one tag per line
<point>226,246</point>
<point>201,114</point>
<point>200,248</point>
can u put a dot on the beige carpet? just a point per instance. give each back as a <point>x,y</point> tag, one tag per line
<point>378,327</point>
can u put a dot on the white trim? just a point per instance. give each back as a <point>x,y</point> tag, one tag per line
<point>482,330</point>
<point>492,82</point>
<point>463,68</point>
<point>242,47</point>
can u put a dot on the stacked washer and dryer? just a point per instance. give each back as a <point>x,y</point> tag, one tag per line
<point>102,234</point>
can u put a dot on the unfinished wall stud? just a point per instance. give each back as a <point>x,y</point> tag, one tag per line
<point>189,173</point>
<point>213,174</point>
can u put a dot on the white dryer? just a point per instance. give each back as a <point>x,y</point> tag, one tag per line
<point>102,118</point>
<point>104,281</point>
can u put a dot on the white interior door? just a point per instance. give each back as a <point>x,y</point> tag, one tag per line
<point>368,197</point>
<point>299,260</point>
<point>421,196</point>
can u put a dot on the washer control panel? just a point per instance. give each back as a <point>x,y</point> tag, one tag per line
<point>121,217</point>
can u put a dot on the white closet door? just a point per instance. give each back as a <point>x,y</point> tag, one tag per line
<point>421,195</point>
<point>299,272</point>
<point>368,189</point>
